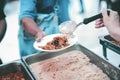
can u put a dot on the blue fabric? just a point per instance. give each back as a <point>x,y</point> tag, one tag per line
<point>48,23</point>
<point>28,9</point>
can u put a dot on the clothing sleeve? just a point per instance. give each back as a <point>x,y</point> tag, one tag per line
<point>27,9</point>
<point>63,10</point>
<point>2,4</point>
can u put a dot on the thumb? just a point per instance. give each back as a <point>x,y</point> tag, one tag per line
<point>105,14</point>
<point>38,39</point>
<point>39,36</point>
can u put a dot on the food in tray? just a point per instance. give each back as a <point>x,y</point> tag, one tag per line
<point>116,42</point>
<point>13,76</point>
<point>73,65</point>
<point>57,43</point>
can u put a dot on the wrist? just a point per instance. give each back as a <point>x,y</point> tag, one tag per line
<point>39,35</point>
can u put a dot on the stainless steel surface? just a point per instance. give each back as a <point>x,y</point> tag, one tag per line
<point>107,68</point>
<point>108,42</point>
<point>79,24</point>
<point>109,39</point>
<point>14,67</point>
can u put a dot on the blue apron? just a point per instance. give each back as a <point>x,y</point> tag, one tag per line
<point>26,41</point>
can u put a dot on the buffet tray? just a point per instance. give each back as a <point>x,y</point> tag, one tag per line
<point>14,67</point>
<point>110,70</point>
<point>107,42</point>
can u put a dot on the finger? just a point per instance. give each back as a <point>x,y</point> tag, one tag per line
<point>98,21</point>
<point>105,14</point>
<point>99,26</point>
<point>39,36</point>
<point>38,39</point>
<point>113,13</point>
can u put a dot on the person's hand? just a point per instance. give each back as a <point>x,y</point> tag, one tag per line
<point>111,22</point>
<point>39,36</point>
<point>99,23</point>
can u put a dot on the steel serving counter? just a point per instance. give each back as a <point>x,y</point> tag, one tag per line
<point>110,70</point>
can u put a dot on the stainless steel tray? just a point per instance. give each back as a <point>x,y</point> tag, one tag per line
<point>110,70</point>
<point>15,67</point>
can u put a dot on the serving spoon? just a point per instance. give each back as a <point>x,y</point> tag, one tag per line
<point>68,27</point>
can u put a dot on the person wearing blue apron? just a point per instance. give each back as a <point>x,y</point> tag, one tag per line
<point>30,30</point>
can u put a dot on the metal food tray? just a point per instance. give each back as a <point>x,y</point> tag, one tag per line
<point>106,42</point>
<point>15,67</point>
<point>110,70</point>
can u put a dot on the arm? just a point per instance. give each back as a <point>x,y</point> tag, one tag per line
<point>27,18</point>
<point>111,22</point>
<point>32,28</point>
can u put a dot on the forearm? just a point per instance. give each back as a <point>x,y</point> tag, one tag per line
<point>115,33</point>
<point>30,26</point>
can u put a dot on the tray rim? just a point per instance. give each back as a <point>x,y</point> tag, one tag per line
<point>105,40</point>
<point>104,61</point>
<point>18,62</point>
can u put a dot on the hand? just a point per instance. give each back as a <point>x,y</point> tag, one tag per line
<point>111,22</point>
<point>39,36</point>
<point>99,23</point>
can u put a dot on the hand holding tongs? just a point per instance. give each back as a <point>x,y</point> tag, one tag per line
<point>69,27</point>
<point>90,19</point>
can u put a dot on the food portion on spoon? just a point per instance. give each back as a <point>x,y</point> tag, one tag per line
<point>67,28</point>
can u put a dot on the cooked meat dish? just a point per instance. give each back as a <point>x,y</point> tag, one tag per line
<point>73,65</point>
<point>13,76</point>
<point>57,43</point>
<point>116,42</point>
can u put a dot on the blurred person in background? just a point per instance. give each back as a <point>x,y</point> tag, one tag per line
<point>82,7</point>
<point>111,22</point>
<point>29,30</point>
<point>3,24</point>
